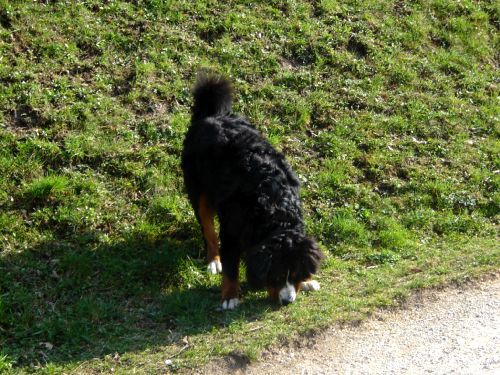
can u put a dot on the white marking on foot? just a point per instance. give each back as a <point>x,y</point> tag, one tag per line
<point>230,304</point>
<point>214,267</point>
<point>287,294</point>
<point>310,285</point>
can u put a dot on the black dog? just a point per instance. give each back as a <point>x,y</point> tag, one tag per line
<point>232,171</point>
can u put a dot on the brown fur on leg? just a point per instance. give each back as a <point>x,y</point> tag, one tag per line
<point>207,215</point>
<point>273,294</point>
<point>297,286</point>
<point>230,288</point>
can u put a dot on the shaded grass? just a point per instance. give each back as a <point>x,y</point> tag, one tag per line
<point>87,300</point>
<point>387,111</point>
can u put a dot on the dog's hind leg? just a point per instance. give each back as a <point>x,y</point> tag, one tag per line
<point>206,215</point>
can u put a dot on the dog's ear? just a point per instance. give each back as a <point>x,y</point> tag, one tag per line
<point>258,265</point>
<point>308,256</point>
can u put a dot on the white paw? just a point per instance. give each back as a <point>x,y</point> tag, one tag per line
<point>230,304</point>
<point>310,285</point>
<point>214,267</point>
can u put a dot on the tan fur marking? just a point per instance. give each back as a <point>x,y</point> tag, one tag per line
<point>230,288</point>
<point>297,287</point>
<point>207,215</point>
<point>273,293</point>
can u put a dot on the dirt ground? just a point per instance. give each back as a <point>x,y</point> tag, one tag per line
<point>454,330</point>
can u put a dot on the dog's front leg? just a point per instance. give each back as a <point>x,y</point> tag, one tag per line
<point>230,255</point>
<point>230,292</point>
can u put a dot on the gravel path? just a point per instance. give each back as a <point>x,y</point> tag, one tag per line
<point>456,330</point>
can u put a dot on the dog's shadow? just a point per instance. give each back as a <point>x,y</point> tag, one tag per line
<point>73,300</point>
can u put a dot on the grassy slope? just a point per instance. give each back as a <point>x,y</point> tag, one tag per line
<point>387,110</point>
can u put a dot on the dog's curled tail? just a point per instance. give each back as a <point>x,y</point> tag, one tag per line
<point>212,95</point>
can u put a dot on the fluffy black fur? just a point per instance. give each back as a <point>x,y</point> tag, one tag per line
<point>252,189</point>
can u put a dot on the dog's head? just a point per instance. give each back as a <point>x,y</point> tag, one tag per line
<point>282,262</point>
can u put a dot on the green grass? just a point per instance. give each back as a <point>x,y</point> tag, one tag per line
<point>387,110</point>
